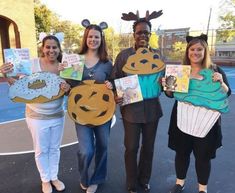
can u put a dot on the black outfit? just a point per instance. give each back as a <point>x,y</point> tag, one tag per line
<point>138,118</point>
<point>204,149</point>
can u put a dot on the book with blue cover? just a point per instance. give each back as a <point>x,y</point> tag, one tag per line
<point>20,58</point>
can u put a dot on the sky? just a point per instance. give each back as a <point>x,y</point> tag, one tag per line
<point>176,13</point>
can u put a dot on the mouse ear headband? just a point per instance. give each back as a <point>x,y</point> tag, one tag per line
<point>201,37</point>
<point>86,23</point>
<point>135,17</point>
<point>59,36</point>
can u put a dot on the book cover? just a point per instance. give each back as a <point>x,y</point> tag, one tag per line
<point>129,88</point>
<point>177,78</point>
<point>74,65</point>
<point>20,58</point>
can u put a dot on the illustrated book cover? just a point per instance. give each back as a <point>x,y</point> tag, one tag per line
<point>74,65</point>
<point>20,58</point>
<point>129,88</point>
<point>177,78</point>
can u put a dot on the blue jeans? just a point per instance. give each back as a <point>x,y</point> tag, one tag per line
<point>92,141</point>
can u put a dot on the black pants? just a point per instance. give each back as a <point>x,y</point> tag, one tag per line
<point>203,167</point>
<point>139,171</point>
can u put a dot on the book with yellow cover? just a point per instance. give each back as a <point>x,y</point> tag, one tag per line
<point>177,78</point>
<point>129,88</point>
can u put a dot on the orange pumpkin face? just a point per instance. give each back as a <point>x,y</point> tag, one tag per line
<point>91,103</point>
<point>143,62</point>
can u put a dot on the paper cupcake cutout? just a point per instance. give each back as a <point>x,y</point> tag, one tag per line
<point>39,87</point>
<point>143,62</point>
<point>199,109</point>
<point>91,103</point>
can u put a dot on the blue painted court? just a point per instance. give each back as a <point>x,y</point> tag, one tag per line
<point>11,111</point>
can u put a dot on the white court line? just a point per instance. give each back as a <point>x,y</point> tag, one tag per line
<point>32,151</point>
<point>16,120</point>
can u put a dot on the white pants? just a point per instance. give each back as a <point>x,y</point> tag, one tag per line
<point>47,137</point>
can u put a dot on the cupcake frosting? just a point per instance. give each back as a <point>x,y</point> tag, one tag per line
<point>206,93</point>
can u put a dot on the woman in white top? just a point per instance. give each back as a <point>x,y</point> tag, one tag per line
<point>46,120</point>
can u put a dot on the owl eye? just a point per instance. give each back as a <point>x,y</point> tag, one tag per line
<point>133,65</point>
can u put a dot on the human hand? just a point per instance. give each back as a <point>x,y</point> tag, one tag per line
<point>162,81</point>
<point>217,77</point>
<point>108,84</point>
<point>6,68</point>
<point>65,86</point>
<point>61,66</point>
<point>118,100</point>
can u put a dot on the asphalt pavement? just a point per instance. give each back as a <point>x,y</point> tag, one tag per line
<point>18,173</point>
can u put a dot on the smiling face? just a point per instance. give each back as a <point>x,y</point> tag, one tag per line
<point>196,53</point>
<point>142,34</point>
<point>93,39</point>
<point>51,50</point>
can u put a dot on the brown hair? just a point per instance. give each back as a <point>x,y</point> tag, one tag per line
<point>52,37</point>
<point>206,62</point>
<point>102,50</point>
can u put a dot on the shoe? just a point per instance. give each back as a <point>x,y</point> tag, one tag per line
<point>46,187</point>
<point>92,188</point>
<point>132,190</point>
<point>59,186</point>
<point>146,187</point>
<point>177,189</point>
<point>83,187</point>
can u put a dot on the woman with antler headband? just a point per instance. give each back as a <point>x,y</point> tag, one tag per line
<point>141,117</point>
<point>195,124</point>
<point>93,140</point>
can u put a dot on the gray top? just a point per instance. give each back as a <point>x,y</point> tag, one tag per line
<point>99,72</point>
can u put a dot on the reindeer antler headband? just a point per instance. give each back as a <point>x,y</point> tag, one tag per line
<point>86,23</point>
<point>135,17</point>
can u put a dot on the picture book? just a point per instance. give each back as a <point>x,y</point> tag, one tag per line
<point>20,58</point>
<point>74,65</point>
<point>177,78</point>
<point>129,88</point>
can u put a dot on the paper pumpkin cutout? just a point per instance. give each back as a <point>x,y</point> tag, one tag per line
<point>200,108</point>
<point>39,87</point>
<point>91,103</point>
<point>143,62</point>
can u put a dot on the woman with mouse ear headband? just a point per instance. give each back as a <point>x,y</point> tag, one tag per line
<point>93,140</point>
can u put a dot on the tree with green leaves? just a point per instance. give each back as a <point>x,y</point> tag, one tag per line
<point>227,20</point>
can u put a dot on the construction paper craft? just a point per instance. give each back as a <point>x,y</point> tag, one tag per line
<point>39,87</point>
<point>200,108</point>
<point>91,103</point>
